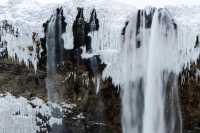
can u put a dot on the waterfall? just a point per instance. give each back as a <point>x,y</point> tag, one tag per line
<point>51,60</point>
<point>55,47</point>
<point>149,81</point>
<point>59,41</point>
<point>153,120</point>
<point>161,40</point>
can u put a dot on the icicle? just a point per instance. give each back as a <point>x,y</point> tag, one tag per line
<point>98,80</point>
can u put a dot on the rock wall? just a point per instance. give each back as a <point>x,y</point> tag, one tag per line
<point>189,90</point>
<point>77,83</point>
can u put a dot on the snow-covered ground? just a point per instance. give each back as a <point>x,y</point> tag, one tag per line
<point>19,115</point>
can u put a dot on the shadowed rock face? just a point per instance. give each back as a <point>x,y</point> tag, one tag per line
<point>197,42</point>
<point>147,15</point>
<point>101,112</point>
<point>81,29</point>
<point>189,90</point>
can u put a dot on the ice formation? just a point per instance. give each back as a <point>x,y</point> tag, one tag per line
<point>144,58</point>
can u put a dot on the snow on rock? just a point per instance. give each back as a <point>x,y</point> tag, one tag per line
<point>29,15</point>
<point>19,115</point>
<point>164,48</point>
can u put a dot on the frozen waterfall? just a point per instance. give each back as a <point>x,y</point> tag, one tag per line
<point>151,56</point>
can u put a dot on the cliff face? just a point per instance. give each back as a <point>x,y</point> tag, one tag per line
<point>79,81</point>
<point>97,112</point>
<point>101,111</point>
<point>189,91</point>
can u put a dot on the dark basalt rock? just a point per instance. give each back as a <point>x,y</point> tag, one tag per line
<point>197,42</point>
<point>79,31</point>
<point>101,112</point>
<point>81,28</point>
<point>149,17</point>
<point>144,19</point>
<point>138,23</point>
<point>94,21</point>
<point>124,28</point>
<point>93,65</point>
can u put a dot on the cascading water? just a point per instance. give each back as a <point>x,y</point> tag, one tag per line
<point>55,47</point>
<point>51,60</point>
<point>145,64</point>
<point>149,56</point>
<point>162,41</point>
<point>154,121</point>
